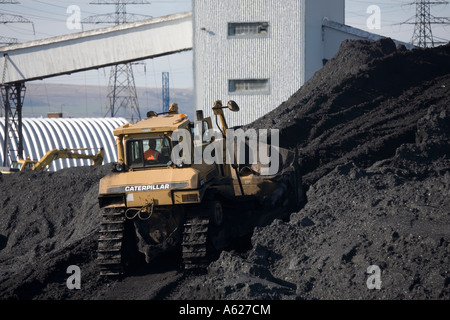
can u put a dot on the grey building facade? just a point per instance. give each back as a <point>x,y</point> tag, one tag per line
<point>257,52</point>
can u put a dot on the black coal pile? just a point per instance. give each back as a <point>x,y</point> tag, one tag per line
<point>372,132</point>
<point>393,216</point>
<point>48,221</point>
<point>361,106</point>
<point>372,129</point>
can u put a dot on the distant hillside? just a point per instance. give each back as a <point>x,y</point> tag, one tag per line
<point>90,101</point>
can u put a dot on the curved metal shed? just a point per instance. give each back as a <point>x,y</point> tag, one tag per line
<point>43,134</point>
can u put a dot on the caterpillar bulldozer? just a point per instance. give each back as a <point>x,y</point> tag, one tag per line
<point>45,162</point>
<point>184,185</point>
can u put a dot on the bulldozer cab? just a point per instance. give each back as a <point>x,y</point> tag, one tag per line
<point>151,142</point>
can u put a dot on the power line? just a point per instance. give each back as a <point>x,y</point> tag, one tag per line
<point>119,16</point>
<point>423,33</point>
<point>121,88</point>
<point>11,18</point>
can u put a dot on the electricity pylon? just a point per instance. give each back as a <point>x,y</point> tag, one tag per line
<point>423,34</point>
<point>11,97</point>
<point>122,92</point>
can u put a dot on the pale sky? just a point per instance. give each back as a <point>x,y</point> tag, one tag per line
<point>50,19</point>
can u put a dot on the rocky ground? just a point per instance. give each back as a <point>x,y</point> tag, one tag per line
<point>372,131</point>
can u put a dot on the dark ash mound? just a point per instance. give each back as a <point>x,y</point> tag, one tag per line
<point>48,221</point>
<point>394,214</point>
<point>372,131</point>
<point>361,106</point>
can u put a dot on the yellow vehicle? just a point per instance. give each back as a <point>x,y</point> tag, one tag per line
<point>169,198</point>
<point>45,162</point>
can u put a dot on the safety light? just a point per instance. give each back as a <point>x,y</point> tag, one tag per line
<point>181,117</point>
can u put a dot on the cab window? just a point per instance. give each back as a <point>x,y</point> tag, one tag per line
<point>148,152</point>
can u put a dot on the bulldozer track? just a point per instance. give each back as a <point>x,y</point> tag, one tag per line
<point>110,242</point>
<point>195,249</point>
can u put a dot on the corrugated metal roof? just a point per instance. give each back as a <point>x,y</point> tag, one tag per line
<point>43,134</point>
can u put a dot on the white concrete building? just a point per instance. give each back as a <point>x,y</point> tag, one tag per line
<point>260,52</point>
<point>257,52</point>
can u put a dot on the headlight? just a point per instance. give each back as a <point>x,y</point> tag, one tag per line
<point>180,164</point>
<point>118,167</point>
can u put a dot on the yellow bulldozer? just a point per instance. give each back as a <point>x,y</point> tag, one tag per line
<point>45,162</point>
<point>181,184</point>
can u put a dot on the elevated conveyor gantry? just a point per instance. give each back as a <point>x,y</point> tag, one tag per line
<point>40,59</point>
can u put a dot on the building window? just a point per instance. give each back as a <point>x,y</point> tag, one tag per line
<point>248,29</point>
<point>250,86</point>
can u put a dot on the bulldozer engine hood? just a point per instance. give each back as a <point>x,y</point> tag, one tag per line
<point>165,186</point>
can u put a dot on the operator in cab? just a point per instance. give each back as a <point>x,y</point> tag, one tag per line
<point>151,153</point>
